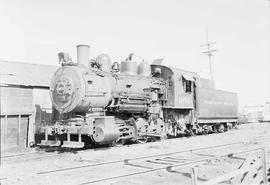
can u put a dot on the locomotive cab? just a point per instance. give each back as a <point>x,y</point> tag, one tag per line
<point>180,107</point>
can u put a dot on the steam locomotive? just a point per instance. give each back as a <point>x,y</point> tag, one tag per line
<point>96,102</point>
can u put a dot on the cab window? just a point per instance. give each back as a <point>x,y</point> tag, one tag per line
<point>187,85</point>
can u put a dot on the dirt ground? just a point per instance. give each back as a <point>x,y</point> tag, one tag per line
<point>83,167</point>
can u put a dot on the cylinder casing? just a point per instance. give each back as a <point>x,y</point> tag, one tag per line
<point>106,131</point>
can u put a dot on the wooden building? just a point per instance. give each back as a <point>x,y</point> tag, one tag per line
<point>24,91</point>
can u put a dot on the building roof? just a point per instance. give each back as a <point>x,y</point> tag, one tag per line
<point>26,74</point>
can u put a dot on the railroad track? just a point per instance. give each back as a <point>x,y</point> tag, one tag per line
<point>42,153</point>
<point>48,152</point>
<point>168,166</point>
<point>137,158</point>
<point>147,164</point>
<point>144,164</point>
<point>32,156</point>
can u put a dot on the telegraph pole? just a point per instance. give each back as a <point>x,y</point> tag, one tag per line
<point>209,52</point>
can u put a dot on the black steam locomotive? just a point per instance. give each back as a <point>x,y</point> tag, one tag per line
<point>106,104</point>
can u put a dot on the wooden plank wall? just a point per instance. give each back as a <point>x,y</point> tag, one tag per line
<point>16,108</point>
<point>14,131</point>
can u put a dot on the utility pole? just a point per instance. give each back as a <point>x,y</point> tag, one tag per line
<point>209,52</point>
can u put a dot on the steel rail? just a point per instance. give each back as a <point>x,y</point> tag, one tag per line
<point>169,167</point>
<point>5,157</point>
<point>142,157</point>
<point>138,158</point>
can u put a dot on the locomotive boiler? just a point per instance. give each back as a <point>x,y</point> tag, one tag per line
<point>96,101</point>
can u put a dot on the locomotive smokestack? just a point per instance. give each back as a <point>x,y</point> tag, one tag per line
<point>83,54</point>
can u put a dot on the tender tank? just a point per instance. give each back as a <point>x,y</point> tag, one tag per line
<point>78,89</point>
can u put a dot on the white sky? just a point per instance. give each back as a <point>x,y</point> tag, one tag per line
<point>35,31</point>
